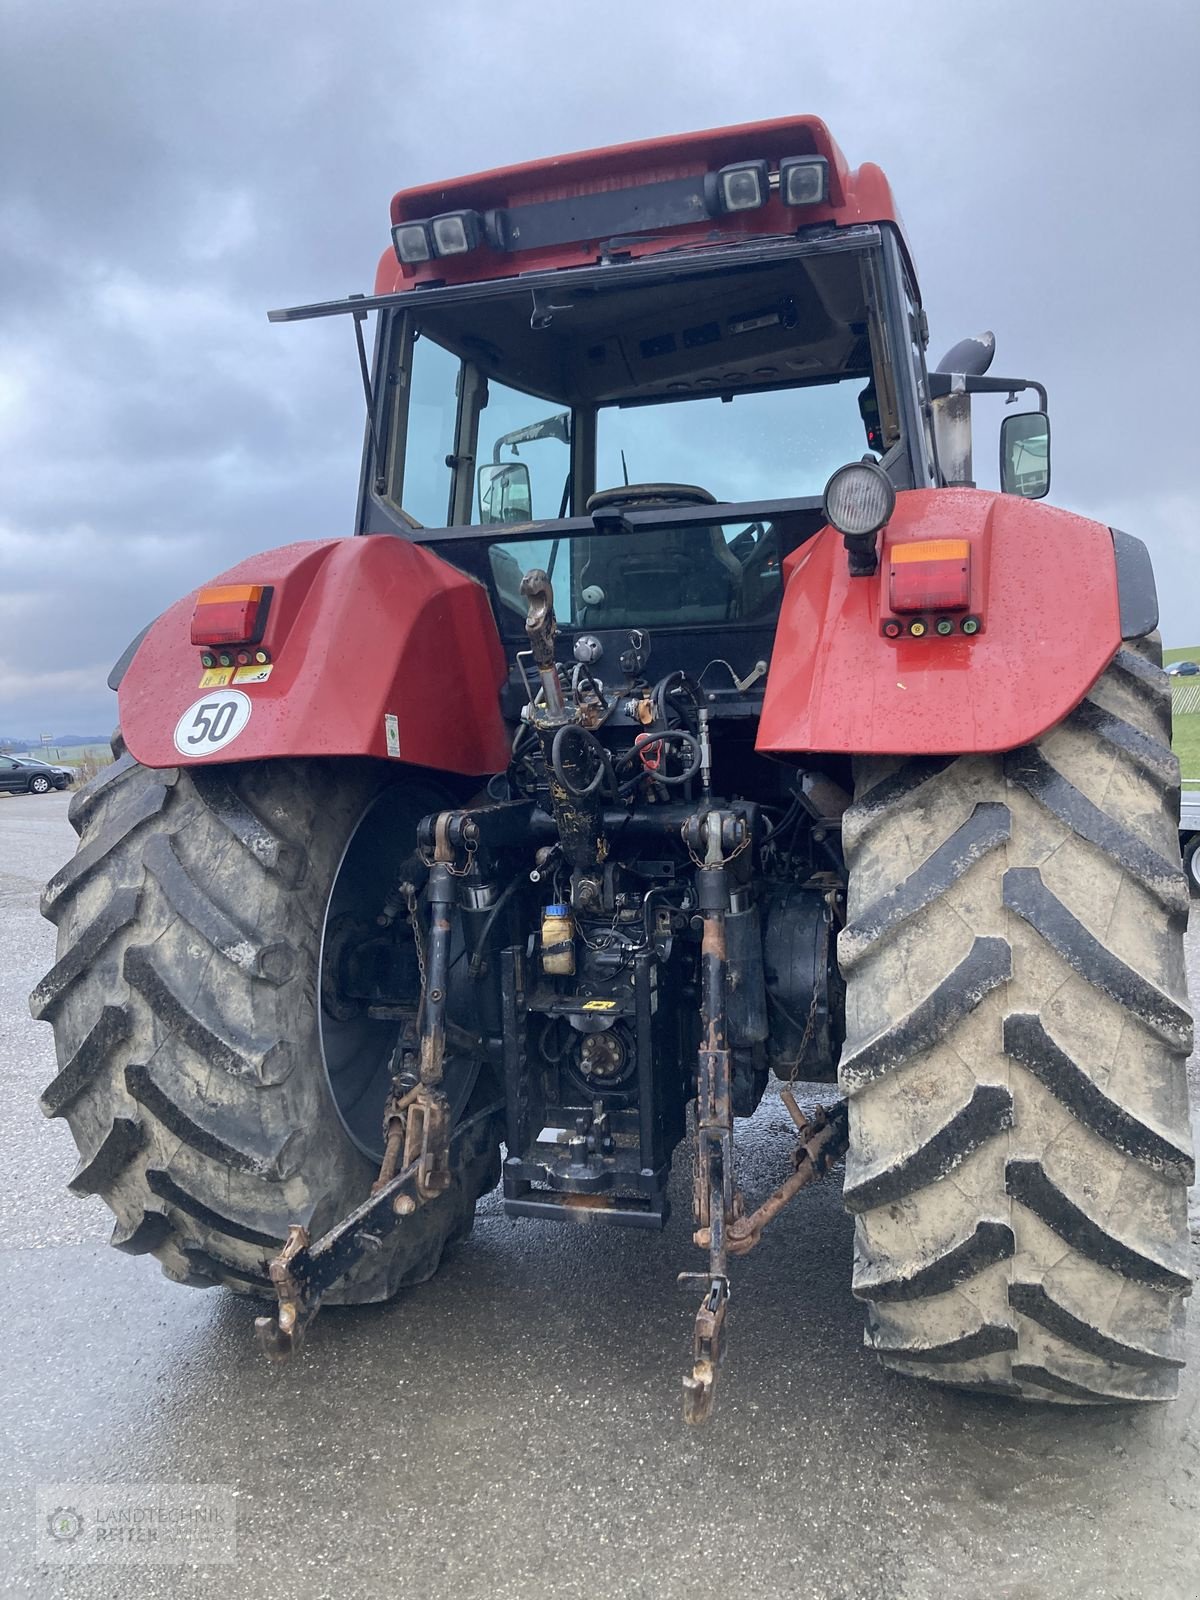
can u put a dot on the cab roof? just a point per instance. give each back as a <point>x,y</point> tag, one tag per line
<point>630,200</point>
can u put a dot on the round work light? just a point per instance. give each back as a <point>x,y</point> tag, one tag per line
<point>859,499</point>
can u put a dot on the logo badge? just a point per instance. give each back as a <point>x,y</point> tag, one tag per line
<point>64,1524</point>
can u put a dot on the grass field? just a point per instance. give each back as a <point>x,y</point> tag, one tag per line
<point>1187,744</point>
<point>1187,722</point>
<point>69,755</point>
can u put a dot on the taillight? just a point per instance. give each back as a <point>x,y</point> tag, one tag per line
<point>234,613</point>
<point>930,575</point>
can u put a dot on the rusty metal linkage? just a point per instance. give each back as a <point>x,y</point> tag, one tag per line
<point>303,1273</point>
<point>823,1142</point>
<point>713,1196</point>
<point>823,1139</point>
<point>541,628</point>
<point>440,892</point>
<point>417,1133</point>
<point>418,1126</point>
<point>721,1225</point>
<point>281,1334</point>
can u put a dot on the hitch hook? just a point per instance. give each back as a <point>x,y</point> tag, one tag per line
<point>282,1335</point>
<point>699,1386</point>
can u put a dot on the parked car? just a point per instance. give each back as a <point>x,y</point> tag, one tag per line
<point>1189,837</point>
<point>22,775</point>
<point>1183,669</point>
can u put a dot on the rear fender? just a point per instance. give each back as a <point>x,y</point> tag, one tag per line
<point>1044,583</point>
<point>378,647</point>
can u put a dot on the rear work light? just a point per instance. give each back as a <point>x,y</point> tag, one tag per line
<point>743,187</point>
<point>803,180</point>
<point>412,242</point>
<point>930,575</point>
<point>234,613</point>
<point>859,499</point>
<point>453,234</point>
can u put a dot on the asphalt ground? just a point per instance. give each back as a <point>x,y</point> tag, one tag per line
<point>512,1428</point>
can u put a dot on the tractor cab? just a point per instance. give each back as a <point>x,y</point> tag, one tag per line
<point>751,379</point>
<point>735,312</point>
<point>655,431</point>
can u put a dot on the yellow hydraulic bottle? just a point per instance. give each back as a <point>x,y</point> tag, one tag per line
<point>558,941</point>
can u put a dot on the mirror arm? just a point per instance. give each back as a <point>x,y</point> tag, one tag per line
<point>942,384</point>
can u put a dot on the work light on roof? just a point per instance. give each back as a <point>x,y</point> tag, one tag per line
<point>803,180</point>
<point>741,187</point>
<point>412,242</point>
<point>455,233</point>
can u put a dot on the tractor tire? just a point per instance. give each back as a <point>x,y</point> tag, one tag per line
<point>1017,1034</point>
<point>188,1007</point>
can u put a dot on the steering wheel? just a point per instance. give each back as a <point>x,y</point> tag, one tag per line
<point>650,494</point>
<point>754,532</point>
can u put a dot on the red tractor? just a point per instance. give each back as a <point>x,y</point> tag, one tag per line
<point>679,712</point>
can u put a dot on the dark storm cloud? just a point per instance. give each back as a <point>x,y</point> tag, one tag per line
<point>169,172</point>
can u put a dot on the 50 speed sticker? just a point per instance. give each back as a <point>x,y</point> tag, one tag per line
<point>211,723</point>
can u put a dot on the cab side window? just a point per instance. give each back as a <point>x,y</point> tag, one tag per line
<point>422,410</point>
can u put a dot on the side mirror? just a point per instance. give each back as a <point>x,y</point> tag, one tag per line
<point>504,492</point>
<point>1025,455</point>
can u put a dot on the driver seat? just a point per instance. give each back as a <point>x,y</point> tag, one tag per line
<point>667,575</point>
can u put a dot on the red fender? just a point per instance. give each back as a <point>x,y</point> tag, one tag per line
<point>1043,582</point>
<point>360,631</point>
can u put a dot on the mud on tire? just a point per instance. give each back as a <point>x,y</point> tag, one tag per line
<point>184,1007</point>
<point>1017,1032</point>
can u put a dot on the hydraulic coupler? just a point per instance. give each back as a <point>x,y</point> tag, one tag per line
<point>577,766</point>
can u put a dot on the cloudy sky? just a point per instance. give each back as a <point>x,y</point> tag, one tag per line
<point>170,171</point>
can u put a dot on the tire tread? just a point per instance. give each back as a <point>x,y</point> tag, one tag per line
<point>1038,1247</point>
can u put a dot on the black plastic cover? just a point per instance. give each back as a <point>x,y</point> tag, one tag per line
<point>122,665</point>
<point>1136,593</point>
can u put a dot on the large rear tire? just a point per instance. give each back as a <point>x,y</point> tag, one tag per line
<point>187,1010</point>
<point>1017,1033</point>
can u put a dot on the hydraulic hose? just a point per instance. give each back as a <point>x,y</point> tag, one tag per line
<point>604,767</point>
<point>666,688</point>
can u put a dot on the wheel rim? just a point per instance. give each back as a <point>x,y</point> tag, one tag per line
<point>40,785</point>
<point>357,1049</point>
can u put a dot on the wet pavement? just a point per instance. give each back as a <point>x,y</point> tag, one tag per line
<point>512,1428</point>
